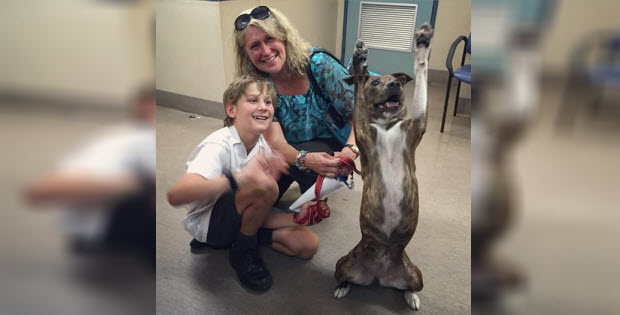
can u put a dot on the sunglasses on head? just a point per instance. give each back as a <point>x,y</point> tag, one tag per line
<point>260,13</point>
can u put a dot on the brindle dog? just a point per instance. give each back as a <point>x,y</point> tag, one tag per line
<point>387,134</point>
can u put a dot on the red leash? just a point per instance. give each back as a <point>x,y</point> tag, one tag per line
<point>316,213</point>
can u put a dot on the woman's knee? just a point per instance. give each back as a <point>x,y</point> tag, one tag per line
<point>307,243</point>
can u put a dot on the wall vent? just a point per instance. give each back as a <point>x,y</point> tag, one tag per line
<point>388,26</point>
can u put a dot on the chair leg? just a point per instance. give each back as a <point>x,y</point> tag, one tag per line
<point>456,102</point>
<point>445,105</point>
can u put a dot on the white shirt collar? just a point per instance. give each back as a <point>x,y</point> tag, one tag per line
<point>237,142</point>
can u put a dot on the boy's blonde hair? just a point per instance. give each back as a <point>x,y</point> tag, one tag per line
<point>276,26</point>
<point>238,87</point>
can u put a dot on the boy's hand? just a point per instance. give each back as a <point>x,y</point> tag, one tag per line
<point>277,164</point>
<point>255,171</point>
<point>262,166</point>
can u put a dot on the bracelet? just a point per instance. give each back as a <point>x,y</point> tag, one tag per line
<point>233,183</point>
<point>297,159</point>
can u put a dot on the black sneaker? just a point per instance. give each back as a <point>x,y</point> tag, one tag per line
<point>198,247</point>
<point>196,244</point>
<point>251,270</point>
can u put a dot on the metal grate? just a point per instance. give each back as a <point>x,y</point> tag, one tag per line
<point>388,26</point>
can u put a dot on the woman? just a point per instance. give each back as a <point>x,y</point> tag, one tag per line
<point>267,44</point>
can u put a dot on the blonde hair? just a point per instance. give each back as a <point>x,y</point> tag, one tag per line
<point>276,26</point>
<point>238,87</point>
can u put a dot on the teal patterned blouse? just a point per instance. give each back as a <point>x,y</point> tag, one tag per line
<point>301,116</point>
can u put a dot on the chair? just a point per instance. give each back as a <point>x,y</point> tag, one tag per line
<point>594,67</point>
<point>462,74</point>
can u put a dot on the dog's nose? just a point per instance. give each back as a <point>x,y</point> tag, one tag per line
<point>394,84</point>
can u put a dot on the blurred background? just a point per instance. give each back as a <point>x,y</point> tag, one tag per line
<point>76,78</point>
<point>545,147</point>
<point>77,97</point>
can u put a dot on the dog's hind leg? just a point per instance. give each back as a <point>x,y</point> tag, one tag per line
<point>414,280</point>
<point>351,269</point>
<point>406,276</point>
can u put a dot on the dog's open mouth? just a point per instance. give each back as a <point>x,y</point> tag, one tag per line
<point>390,105</point>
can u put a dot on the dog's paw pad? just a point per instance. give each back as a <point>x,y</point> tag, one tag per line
<point>412,300</point>
<point>341,290</point>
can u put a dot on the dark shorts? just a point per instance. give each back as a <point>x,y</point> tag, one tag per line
<point>225,224</point>
<point>303,178</point>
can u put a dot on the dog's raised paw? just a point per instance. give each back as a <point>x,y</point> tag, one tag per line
<point>341,290</point>
<point>360,53</point>
<point>412,300</point>
<point>424,34</point>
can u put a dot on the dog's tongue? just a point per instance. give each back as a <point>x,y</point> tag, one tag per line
<point>391,104</point>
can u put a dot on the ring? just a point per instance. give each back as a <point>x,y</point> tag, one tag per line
<point>329,175</point>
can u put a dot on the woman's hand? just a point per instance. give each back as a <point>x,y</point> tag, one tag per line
<point>346,151</point>
<point>323,163</point>
<point>277,164</point>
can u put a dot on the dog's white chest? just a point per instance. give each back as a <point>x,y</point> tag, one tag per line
<point>390,146</point>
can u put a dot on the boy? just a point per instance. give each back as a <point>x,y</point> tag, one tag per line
<point>231,186</point>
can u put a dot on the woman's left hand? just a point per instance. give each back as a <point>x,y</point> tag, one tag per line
<point>348,153</point>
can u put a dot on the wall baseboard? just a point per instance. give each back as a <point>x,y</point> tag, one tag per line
<point>190,104</point>
<point>60,104</point>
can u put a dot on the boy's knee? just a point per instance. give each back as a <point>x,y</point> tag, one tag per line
<point>265,189</point>
<point>260,192</point>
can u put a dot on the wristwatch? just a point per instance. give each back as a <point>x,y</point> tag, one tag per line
<point>353,148</point>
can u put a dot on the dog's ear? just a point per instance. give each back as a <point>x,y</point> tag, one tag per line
<point>402,77</point>
<point>351,79</point>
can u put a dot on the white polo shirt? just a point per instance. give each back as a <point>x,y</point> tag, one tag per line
<point>221,150</point>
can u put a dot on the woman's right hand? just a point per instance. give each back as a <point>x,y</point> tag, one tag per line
<point>323,163</point>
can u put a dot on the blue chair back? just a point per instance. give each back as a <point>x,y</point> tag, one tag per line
<point>468,47</point>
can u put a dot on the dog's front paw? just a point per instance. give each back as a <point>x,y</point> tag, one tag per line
<point>424,34</point>
<point>341,290</point>
<point>360,53</point>
<point>412,300</point>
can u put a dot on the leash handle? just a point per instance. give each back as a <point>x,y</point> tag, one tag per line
<point>315,213</point>
<point>318,186</point>
<point>350,164</point>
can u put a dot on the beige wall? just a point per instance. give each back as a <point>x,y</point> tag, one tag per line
<point>192,32</point>
<point>453,19</point>
<point>189,49</point>
<point>571,23</point>
<point>195,54</point>
<point>229,10</point>
<point>82,50</point>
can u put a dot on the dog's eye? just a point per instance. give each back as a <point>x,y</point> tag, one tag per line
<point>375,82</point>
